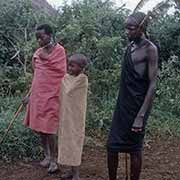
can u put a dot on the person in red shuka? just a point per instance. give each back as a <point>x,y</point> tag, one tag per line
<point>49,64</point>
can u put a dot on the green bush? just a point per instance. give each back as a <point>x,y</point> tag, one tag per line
<point>95,28</point>
<point>20,142</point>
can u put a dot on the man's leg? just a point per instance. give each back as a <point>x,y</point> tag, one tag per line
<point>44,142</point>
<point>112,165</point>
<point>52,147</point>
<point>136,162</point>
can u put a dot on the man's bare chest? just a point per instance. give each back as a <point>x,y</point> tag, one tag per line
<point>139,60</point>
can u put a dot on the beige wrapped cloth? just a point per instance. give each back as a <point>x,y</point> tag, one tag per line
<point>72,119</point>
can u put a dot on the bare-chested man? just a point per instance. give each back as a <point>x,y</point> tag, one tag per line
<point>137,89</point>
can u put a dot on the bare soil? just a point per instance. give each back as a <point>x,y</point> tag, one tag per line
<point>161,162</point>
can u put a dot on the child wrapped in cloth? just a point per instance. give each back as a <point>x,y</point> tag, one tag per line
<point>72,115</point>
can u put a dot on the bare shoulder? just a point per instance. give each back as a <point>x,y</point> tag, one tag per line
<point>151,47</point>
<point>152,54</point>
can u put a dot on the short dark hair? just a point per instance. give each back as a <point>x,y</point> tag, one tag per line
<point>46,27</point>
<point>80,59</point>
<point>140,17</point>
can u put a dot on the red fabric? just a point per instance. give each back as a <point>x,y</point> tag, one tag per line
<point>43,106</point>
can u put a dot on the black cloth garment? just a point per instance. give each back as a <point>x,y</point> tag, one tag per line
<point>133,88</point>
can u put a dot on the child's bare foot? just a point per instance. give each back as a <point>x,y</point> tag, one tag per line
<point>53,167</point>
<point>75,172</point>
<point>75,177</point>
<point>67,176</point>
<point>45,162</point>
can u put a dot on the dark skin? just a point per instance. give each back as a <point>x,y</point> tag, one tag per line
<point>44,40</point>
<point>141,50</point>
<point>47,140</point>
<point>74,69</point>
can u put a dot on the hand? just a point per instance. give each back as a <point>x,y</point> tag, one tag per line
<point>25,100</point>
<point>138,124</point>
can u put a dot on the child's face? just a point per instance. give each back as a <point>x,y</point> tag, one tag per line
<point>74,69</point>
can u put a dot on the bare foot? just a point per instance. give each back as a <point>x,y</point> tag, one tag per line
<point>76,178</point>
<point>45,162</point>
<point>75,171</point>
<point>53,167</point>
<point>67,176</point>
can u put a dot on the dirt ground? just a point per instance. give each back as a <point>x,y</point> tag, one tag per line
<point>161,162</point>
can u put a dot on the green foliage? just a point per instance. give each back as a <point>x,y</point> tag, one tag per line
<point>163,124</point>
<point>20,141</point>
<point>17,43</point>
<point>168,87</point>
<point>12,81</point>
<point>166,110</point>
<point>166,32</point>
<point>95,28</point>
<point>90,27</point>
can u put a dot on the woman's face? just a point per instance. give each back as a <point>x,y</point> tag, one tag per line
<point>42,38</point>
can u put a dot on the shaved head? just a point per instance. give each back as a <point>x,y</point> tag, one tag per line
<point>79,59</point>
<point>137,19</point>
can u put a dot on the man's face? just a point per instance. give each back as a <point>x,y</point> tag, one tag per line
<point>132,29</point>
<point>42,38</point>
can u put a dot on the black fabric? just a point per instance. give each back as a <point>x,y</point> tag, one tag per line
<point>133,88</point>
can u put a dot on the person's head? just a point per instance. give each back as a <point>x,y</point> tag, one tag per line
<point>136,25</point>
<point>76,64</point>
<point>44,34</point>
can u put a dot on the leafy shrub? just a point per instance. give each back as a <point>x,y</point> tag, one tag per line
<point>95,28</point>
<point>20,141</point>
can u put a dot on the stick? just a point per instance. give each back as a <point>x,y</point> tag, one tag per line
<point>126,166</point>
<point>11,122</point>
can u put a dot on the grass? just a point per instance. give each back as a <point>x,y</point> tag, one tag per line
<point>21,142</point>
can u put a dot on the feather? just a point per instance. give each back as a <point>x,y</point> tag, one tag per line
<point>158,10</point>
<point>161,8</point>
<point>140,5</point>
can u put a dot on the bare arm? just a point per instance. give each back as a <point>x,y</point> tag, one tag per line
<point>152,75</point>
